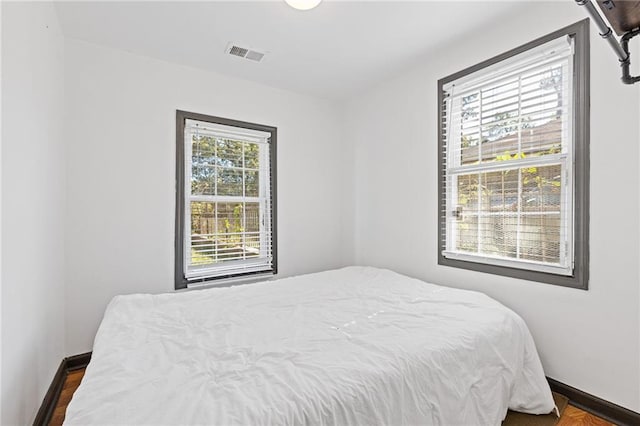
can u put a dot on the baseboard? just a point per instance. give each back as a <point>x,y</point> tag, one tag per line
<point>607,410</point>
<point>51,397</point>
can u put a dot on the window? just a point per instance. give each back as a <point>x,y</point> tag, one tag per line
<point>513,162</point>
<point>225,199</point>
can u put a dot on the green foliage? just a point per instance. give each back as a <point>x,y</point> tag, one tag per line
<point>223,167</point>
<point>199,258</point>
<point>507,156</point>
<point>217,166</point>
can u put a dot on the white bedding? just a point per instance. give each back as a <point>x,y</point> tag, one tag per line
<point>350,346</point>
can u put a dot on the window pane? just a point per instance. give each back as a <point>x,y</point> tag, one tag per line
<point>504,148</point>
<point>513,119</point>
<point>252,230</point>
<point>499,104</point>
<point>230,230</point>
<point>468,193</point>
<point>466,223</point>
<point>540,238</point>
<point>203,180</point>
<point>499,214</point>
<point>498,235</point>
<point>543,90</point>
<point>238,231</point>
<point>541,206</point>
<point>251,156</point>
<point>500,119</point>
<point>203,170</point>
<point>467,233</point>
<point>224,231</point>
<point>229,153</point>
<point>500,192</point>
<point>506,224</point>
<point>470,128</point>
<point>541,189</point>
<point>202,147</point>
<point>542,139</point>
<point>203,228</point>
<point>251,183</point>
<point>229,182</point>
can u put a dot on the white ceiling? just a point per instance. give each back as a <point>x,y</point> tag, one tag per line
<point>332,51</point>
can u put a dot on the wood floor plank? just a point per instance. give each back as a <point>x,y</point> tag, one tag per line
<point>71,383</point>
<point>573,416</point>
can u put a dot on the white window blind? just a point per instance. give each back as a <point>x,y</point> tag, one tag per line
<point>507,156</point>
<point>228,229</point>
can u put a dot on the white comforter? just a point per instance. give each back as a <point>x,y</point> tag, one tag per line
<point>351,346</point>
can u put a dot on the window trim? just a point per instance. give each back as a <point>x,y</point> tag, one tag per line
<point>181,281</point>
<point>581,125</point>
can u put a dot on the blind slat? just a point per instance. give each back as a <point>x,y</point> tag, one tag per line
<point>228,200</point>
<point>507,163</point>
<point>536,58</point>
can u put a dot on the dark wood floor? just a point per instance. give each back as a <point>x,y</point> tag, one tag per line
<point>572,416</point>
<point>71,383</point>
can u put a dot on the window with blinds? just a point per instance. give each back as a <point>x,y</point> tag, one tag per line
<point>225,199</point>
<point>509,133</point>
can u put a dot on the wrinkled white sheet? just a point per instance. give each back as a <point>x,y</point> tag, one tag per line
<point>351,346</point>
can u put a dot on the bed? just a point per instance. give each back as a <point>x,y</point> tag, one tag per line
<point>356,345</point>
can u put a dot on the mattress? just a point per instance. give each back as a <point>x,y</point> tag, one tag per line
<point>351,346</point>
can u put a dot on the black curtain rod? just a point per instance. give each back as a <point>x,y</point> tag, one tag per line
<point>621,48</point>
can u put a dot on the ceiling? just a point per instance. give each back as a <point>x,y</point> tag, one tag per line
<point>333,51</point>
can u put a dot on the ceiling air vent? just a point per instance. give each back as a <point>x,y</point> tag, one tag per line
<point>244,52</point>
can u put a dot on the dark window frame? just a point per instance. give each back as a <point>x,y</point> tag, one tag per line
<point>181,281</point>
<point>581,126</point>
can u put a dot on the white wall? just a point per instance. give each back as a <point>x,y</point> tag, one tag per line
<point>636,71</point>
<point>33,202</point>
<point>587,339</point>
<point>104,194</point>
<point>121,174</point>
<point>1,8</point>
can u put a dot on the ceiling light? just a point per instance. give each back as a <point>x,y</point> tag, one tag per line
<point>303,4</point>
